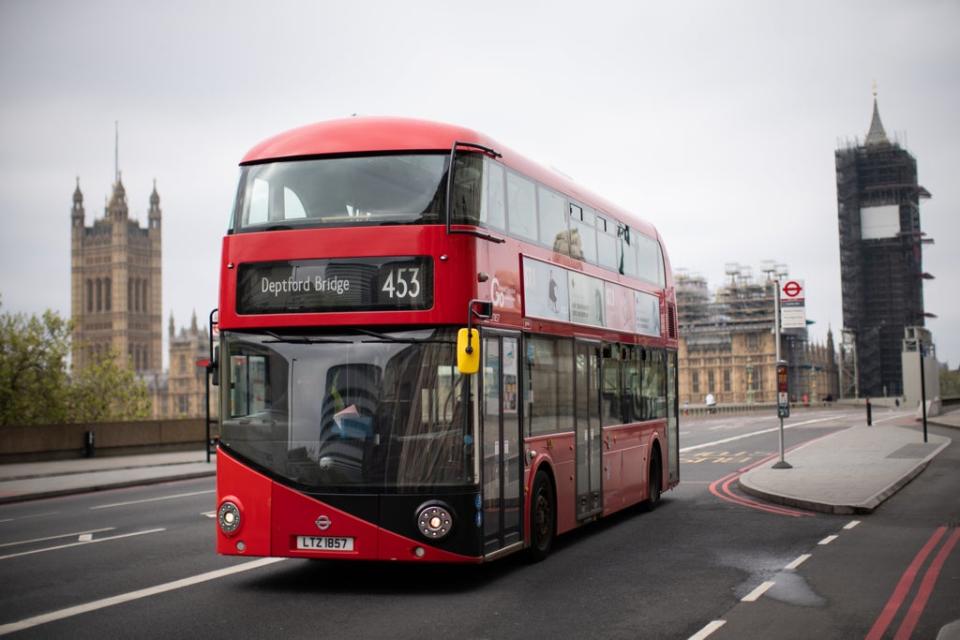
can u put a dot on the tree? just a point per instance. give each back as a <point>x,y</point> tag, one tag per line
<point>949,382</point>
<point>36,389</point>
<point>103,391</point>
<point>33,352</point>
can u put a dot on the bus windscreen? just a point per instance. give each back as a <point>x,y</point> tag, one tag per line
<point>345,411</point>
<point>345,191</point>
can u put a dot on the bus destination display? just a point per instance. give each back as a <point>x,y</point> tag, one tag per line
<point>335,284</point>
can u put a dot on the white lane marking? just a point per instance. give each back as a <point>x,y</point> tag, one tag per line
<point>754,595</point>
<point>899,415</point>
<point>851,524</point>
<point>171,497</point>
<point>699,635</point>
<point>799,561</point>
<point>62,535</point>
<point>209,514</point>
<point>828,539</point>
<point>754,433</point>
<point>32,515</point>
<point>133,595</point>
<point>80,543</point>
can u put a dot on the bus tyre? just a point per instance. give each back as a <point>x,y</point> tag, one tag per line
<point>656,482</point>
<point>542,518</point>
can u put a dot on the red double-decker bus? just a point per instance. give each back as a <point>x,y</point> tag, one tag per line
<point>432,349</point>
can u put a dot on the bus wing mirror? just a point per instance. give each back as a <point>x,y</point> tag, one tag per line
<point>468,351</point>
<point>215,366</point>
<point>481,308</point>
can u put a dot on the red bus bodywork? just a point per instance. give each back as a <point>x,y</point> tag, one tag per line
<point>465,268</point>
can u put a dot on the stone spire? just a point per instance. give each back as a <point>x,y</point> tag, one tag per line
<point>154,214</point>
<point>171,329</point>
<point>876,136</point>
<point>77,212</point>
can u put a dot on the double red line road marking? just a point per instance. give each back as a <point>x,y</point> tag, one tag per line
<point>722,488</point>
<point>902,590</point>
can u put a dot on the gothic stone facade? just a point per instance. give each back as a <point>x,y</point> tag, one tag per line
<point>186,382</point>
<point>116,284</point>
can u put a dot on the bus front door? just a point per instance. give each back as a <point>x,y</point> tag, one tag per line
<point>501,442</point>
<point>589,453</point>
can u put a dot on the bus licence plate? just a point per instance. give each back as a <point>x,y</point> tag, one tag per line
<point>324,543</point>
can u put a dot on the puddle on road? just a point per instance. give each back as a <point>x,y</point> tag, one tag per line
<point>790,587</point>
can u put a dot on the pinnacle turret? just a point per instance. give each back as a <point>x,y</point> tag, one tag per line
<point>117,207</point>
<point>154,214</point>
<point>77,213</point>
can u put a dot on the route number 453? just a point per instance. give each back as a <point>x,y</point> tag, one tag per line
<point>402,283</point>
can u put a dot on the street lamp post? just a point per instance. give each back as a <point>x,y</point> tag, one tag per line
<point>923,388</point>
<point>783,400</point>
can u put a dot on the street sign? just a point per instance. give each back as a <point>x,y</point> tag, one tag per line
<point>793,290</point>
<point>792,305</point>
<point>783,398</point>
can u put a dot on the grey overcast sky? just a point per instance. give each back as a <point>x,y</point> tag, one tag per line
<point>715,120</point>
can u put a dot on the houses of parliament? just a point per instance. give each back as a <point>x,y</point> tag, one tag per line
<point>116,303</point>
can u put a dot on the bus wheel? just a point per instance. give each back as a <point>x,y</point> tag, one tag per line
<point>542,518</point>
<point>656,482</point>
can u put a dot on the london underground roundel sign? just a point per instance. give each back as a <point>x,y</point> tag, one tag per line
<point>793,290</point>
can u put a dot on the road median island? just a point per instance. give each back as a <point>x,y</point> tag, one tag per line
<point>851,471</point>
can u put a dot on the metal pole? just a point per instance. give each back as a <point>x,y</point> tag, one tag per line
<point>782,464</point>
<point>207,413</point>
<point>923,389</point>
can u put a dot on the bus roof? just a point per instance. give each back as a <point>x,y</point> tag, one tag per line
<point>387,134</point>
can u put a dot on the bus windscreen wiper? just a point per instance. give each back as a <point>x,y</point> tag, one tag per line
<point>301,339</point>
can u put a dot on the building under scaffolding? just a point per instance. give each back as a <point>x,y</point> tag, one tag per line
<point>878,203</point>
<point>727,346</point>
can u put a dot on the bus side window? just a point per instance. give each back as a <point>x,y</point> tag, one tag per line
<point>521,207</point>
<point>631,384</point>
<point>651,265</point>
<point>606,243</point>
<point>627,250</point>
<point>553,222</point>
<point>610,399</point>
<point>492,203</point>
<point>583,223</point>
<point>661,269</point>
<point>549,385</point>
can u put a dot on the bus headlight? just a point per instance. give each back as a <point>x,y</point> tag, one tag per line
<point>434,521</point>
<point>228,516</point>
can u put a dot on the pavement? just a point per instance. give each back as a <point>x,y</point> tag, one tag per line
<point>32,480</point>
<point>851,471</point>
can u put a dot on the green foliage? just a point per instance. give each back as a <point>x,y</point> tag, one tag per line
<point>949,382</point>
<point>36,389</point>
<point>33,353</point>
<point>103,391</point>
